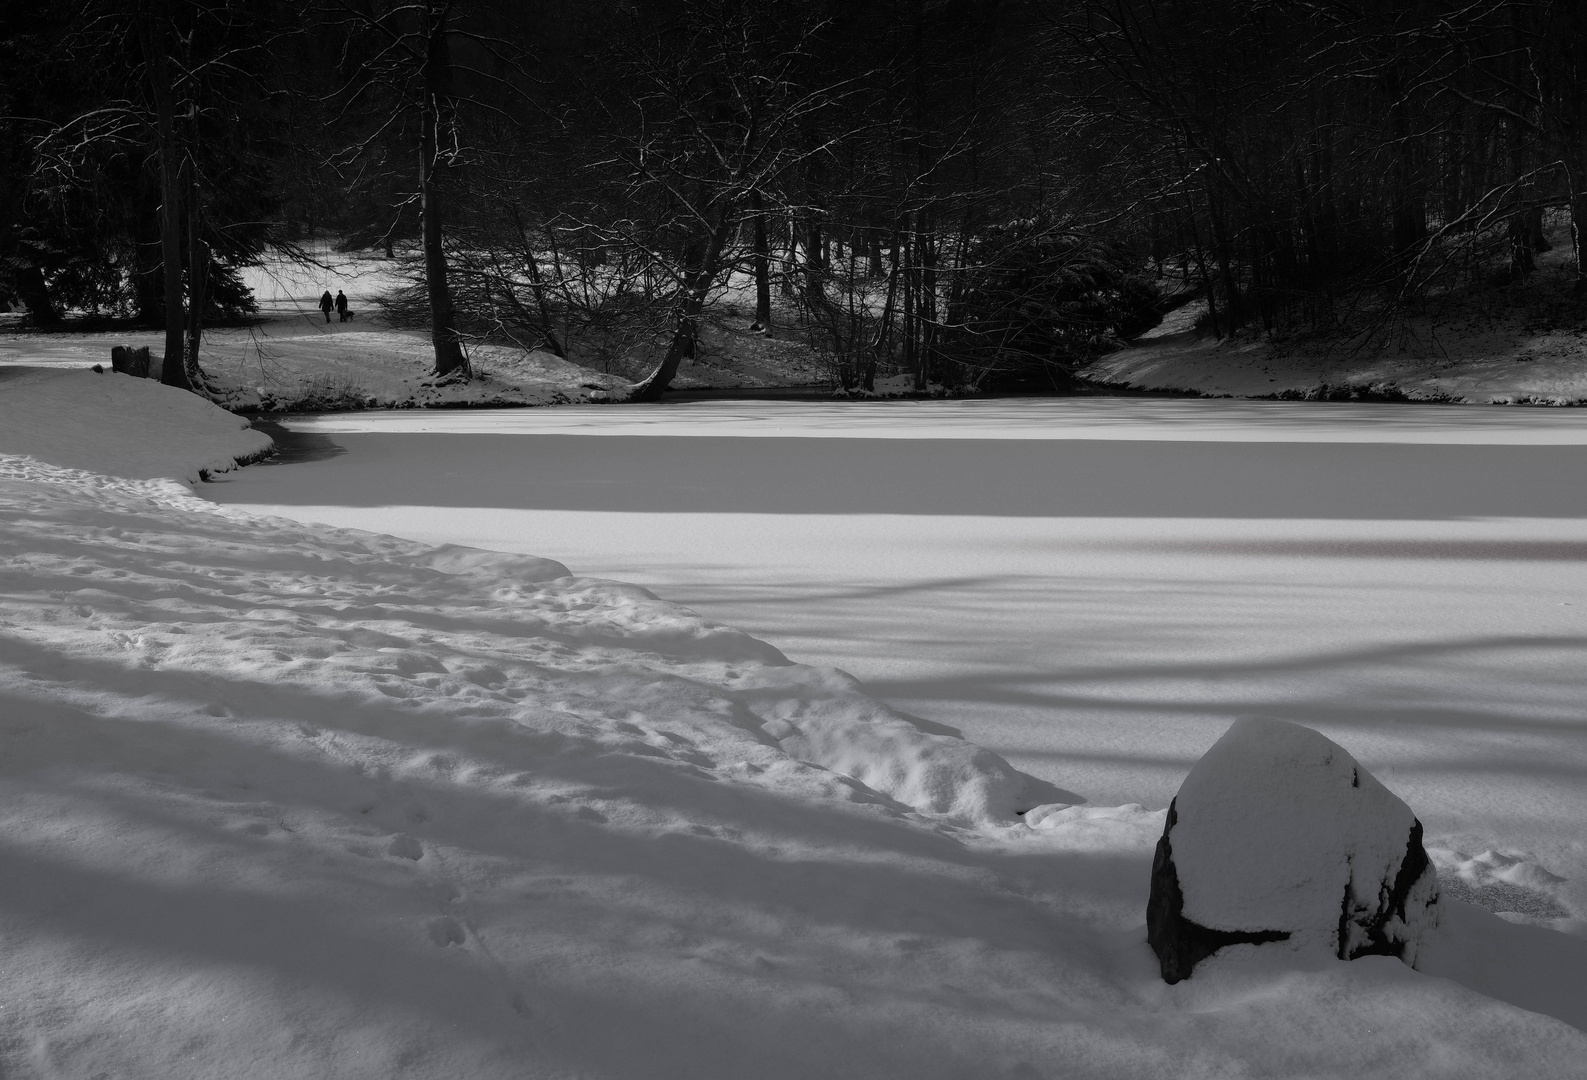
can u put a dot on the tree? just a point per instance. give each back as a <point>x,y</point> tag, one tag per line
<point>706,140</point>
<point>404,87</point>
<point>185,105</point>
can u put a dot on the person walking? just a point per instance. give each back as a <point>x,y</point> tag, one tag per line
<point>341,306</point>
<point>326,303</point>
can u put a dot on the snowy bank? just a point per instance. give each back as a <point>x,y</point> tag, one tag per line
<point>119,425</point>
<point>1481,359</point>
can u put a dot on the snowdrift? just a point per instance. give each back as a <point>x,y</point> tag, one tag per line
<point>200,592</point>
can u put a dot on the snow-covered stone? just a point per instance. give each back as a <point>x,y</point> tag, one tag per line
<point>1277,834</point>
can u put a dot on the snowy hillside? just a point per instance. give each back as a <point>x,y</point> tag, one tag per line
<point>1485,349</point>
<point>283,800</point>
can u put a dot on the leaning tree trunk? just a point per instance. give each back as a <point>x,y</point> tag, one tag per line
<point>449,359</point>
<point>686,323</point>
<point>532,264</point>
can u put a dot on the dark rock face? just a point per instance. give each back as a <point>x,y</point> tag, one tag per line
<point>1368,928</point>
<point>1278,835</point>
<point>1179,943</point>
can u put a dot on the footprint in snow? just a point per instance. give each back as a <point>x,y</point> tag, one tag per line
<point>445,930</point>
<point>406,847</point>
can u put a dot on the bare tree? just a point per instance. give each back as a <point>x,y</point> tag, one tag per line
<point>411,74</point>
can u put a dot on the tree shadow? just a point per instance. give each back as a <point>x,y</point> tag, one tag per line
<point>292,447</point>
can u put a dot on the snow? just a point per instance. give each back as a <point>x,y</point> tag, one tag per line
<point>137,428</point>
<point>1276,823</point>
<point>1095,588</point>
<point>281,799</point>
<point>1503,347</point>
<point>291,357</point>
<point>1121,419</point>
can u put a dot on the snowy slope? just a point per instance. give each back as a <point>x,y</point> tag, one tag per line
<point>137,428</point>
<point>282,800</point>
<point>1480,359</point>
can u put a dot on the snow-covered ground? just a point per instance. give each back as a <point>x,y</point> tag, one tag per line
<point>280,799</point>
<point>291,357</point>
<point>1091,588</point>
<point>1492,349</point>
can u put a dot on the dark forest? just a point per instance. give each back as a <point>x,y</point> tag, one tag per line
<point>979,192</point>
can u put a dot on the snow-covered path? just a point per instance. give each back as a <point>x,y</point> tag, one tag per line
<point>1090,588</point>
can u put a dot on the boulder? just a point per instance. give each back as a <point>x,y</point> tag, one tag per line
<point>1278,835</point>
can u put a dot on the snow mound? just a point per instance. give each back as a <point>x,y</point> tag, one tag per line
<point>1277,833</point>
<point>821,715</point>
<point>1130,827</point>
<point>140,429</point>
<point>490,565</point>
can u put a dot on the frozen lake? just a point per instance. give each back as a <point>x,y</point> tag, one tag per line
<point>1093,588</point>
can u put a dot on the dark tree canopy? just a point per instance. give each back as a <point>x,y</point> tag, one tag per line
<point>978,192</point>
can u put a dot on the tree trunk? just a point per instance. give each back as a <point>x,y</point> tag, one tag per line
<point>686,322</point>
<point>788,287</point>
<point>926,306</point>
<point>885,323</point>
<point>173,368</point>
<point>1576,176</point>
<point>907,319</point>
<point>449,359</point>
<point>1522,197</point>
<point>762,262</point>
<point>532,264</point>
<point>197,278</point>
<point>1408,211</point>
<point>1232,308</point>
<point>815,256</point>
<point>35,296</point>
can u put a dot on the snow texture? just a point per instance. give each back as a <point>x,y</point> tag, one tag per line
<point>1277,833</point>
<point>626,643</point>
<point>283,800</point>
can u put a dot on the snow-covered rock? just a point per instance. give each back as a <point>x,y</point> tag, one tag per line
<point>1277,834</point>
